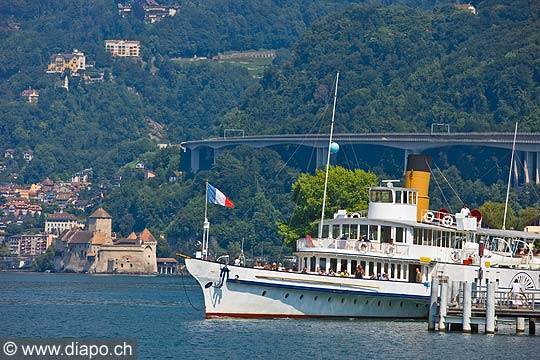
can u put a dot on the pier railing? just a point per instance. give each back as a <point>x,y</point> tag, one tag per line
<point>504,300</point>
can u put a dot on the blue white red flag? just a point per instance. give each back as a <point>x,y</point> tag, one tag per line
<point>217,197</point>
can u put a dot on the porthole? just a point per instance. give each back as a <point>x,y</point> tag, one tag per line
<point>301,296</point>
<point>401,304</point>
<point>286,295</point>
<point>342,300</point>
<point>315,298</point>
<point>378,303</point>
<point>264,293</point>
<point>329,299</point>
<point>416,305</point>
<point>355,301</point>
<point>367,302</point>
<point>389,303</point>
<point>426,305</point>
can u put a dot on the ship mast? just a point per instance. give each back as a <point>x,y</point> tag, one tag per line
<point>328,158</point>
<point>509,178</point>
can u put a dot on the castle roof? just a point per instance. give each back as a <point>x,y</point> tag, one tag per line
<point>146,236</point>
<point>100,214</point>
<point>132,236</point>
<point>77,236</point>
<point>62,216</point>
<point>99,238</point>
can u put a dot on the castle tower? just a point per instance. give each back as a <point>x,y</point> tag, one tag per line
<point>100,220</point>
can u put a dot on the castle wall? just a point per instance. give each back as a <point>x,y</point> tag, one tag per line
<point>126,259</point>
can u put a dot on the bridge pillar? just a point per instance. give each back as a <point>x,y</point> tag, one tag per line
<point>216,155</point>
<point>528,166</point>
<point>516,172</point>
<point>322,156</point>
<point>195,160</point>
<point>537,175</point>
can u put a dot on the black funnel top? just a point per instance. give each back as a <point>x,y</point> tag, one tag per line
<point>419,162</point>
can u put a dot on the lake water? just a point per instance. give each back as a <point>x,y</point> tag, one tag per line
<point>165,315</point>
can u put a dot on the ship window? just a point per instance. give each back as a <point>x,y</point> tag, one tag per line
<point>372,269</point>
<point>363,232</point>
<point>344,264</point>
<point>398,197</point>
<point>392,271</point>
<point>336,234</point>
<point>286,295</point>
<point>325,231</point>
<point>363,265</point>
<point>398,272</point>
<point>333,264</point>
<point>353,266</point>
<point>312,263</point>
<point>373,232</point>
<point>399,234</point>
<point>353,232</point>
<point>382,196</point>
<point>385,233</point>
<point>322,263</point>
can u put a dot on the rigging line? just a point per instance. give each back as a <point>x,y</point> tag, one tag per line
<point>357,162</point>
<point>497,162</point>
<point>442,193</point>
<point>321,117</point>
<point>448,182</point>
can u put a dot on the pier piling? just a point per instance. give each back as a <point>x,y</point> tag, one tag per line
<point>467,306</point>
<point>532,326</point>
<point>443,307</point>
<point>490,308</point>
<point>433,303</point>
<point>520,325</point>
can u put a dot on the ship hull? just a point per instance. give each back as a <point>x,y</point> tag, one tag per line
<point>253,293</point>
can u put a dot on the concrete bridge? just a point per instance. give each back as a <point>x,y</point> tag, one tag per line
<point>527,145</point>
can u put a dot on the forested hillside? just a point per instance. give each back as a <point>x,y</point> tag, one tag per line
<point>403,69</point>
<point>404,65</point>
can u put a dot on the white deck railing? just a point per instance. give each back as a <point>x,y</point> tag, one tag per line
<point>359,246</point>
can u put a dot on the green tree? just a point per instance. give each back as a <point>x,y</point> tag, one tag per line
<point>346,190</point>
<point>493,215</point>
<point>4,250</point>
<point>45,261</point>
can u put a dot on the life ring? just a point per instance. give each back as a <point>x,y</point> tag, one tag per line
<point>429,216</point>
<point>455,256</point>
<point>447,220</point>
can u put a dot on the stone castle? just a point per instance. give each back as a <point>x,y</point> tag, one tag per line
<point>98,250</point>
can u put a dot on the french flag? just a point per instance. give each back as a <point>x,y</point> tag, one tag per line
<point>217,197</point>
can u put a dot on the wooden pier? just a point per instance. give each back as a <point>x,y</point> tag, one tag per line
<point>460,306</point>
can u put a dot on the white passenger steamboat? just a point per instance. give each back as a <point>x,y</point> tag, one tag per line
<point>395,240</point>
<point>394,250</point>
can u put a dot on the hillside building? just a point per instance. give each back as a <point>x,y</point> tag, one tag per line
<point>123,48</point>
<point>30,95</point>
<point>26,245</point>
<point>76,62</point>
<point>57,223</point>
